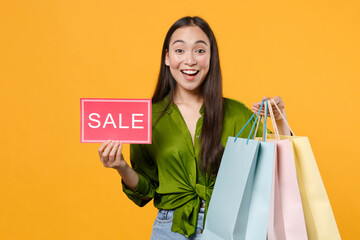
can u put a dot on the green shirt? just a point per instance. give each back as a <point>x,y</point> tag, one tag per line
<point>168,168</point>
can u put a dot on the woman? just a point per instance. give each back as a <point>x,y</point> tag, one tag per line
<point>191,124</point>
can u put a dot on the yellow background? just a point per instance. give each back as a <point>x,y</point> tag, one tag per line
<point>55,52</point>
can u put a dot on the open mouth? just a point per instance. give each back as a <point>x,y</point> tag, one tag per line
<point>190,72</point>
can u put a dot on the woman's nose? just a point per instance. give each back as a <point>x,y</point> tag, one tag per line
<point>190,59</point>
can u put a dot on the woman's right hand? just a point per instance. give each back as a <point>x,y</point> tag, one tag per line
<point>111,156</point>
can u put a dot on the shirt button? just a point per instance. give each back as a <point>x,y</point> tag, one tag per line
<point>197,136</point>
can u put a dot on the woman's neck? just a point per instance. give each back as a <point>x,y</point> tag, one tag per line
<point>181,96</point>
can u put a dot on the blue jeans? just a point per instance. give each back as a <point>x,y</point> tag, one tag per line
<point>162,226</point>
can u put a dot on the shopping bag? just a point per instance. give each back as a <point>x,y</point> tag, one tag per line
<point>286,212</point>
<point>240,202</point>
<point>319,218</point>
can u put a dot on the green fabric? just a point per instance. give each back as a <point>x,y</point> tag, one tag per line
<point>168,168</point>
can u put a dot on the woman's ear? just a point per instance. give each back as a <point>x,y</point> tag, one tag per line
<point>167,62</point>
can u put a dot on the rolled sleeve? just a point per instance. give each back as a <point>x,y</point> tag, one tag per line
<point>146,169</point>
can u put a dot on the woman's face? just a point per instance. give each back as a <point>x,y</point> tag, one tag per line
<point>188,57</point>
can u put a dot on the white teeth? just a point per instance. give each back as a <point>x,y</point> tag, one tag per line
<point>189,72</point>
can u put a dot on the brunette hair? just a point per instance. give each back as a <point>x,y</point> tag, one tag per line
<point>211,88</point>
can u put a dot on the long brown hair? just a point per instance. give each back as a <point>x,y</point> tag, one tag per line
<point>211,88</point>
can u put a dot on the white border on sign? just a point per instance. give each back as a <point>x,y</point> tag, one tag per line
<point>83,100</point>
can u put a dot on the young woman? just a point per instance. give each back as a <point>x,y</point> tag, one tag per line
<point>191,124</point>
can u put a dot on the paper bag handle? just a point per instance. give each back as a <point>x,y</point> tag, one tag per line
<point>282,116</point>
<point>252,128</point>
<point>273,120</point>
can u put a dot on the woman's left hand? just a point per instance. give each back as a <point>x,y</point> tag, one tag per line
<point>279,102</point>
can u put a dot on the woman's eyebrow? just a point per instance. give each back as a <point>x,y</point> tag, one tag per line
<point>201,41</point>
<point>182,41</point>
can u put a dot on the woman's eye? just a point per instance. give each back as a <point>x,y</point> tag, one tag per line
<point>200,50</point>
<point>179,50</point>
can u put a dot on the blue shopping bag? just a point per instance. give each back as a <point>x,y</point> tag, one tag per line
<point>240,202</point>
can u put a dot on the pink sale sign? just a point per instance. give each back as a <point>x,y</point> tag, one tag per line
<point>127,120</point>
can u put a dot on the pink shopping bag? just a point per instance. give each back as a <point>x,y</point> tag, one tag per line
<point>286,212</point>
